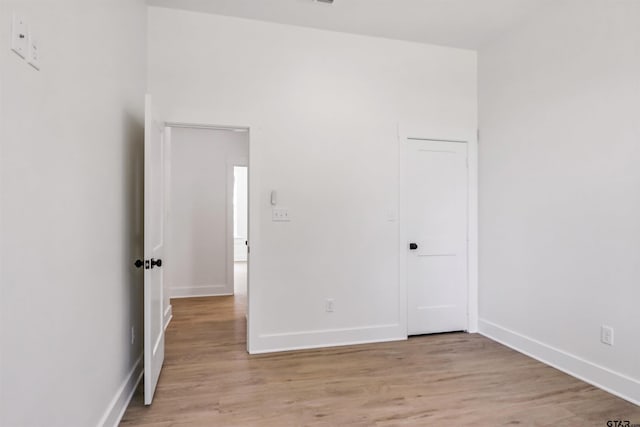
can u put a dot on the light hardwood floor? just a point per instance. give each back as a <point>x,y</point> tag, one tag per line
<point>440,380</point>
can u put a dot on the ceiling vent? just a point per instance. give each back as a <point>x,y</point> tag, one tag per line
<point>325,1</point>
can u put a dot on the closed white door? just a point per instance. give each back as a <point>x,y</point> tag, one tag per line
<point>436,191</point>
<point>154,206</point>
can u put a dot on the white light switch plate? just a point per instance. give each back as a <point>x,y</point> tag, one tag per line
<point>19,36</point>
<point>280,214</point>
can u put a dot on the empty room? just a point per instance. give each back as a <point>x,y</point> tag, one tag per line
<point>319,212</point>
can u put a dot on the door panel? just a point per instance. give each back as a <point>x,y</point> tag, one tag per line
<point>153,249</point>
<point>437,195</point>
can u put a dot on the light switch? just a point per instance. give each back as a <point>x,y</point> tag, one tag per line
<point>280,214</point>
<point>33,57</point>
<point>19,36</point>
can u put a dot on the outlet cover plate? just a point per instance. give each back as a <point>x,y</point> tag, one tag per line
<point>606,335</point>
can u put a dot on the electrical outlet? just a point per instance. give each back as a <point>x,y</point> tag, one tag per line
<point>330,305</point>
<point>133,334</point>
<point>606,335</point>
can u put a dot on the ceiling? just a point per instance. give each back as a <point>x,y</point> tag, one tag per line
<point>456,23</point>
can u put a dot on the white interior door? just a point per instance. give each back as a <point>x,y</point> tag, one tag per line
<point>436,191</point>
<point>153,249</point>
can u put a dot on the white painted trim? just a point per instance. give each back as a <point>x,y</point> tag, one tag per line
<point>169,238</point>
<point>253,228</point>
<point>205,126</point>
<point>229,253</point>
<point>403,303</point>
<point>434,133</point>
<point>610,381</point>
<point>168,315</point>
<point>324,331</point>
<point>201,291</point>
<point>337,344</point>
<point>302,340</point>
<point>118,405</point>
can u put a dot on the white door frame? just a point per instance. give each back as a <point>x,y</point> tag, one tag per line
<point>431,133</point>
<point>250,238</point>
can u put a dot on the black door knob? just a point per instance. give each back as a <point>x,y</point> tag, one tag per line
<point>413,246</point>
<point>138,263</point>
<point>156,263</point>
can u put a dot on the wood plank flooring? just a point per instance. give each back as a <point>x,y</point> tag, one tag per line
<point>440,380</point>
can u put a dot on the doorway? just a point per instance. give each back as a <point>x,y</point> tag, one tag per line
<point>193,210</point>
<point>207,211</point>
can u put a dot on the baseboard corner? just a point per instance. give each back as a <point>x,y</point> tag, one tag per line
<point>120,402</point>
<point>606,379</point>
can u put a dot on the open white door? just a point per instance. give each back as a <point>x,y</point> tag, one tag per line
<point>153,249</point>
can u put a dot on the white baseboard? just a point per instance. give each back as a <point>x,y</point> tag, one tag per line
<point>302,340</point>
<point>120,401</point>
<point>610,381</point>
<point>168,315</point>
<point>200,291</point>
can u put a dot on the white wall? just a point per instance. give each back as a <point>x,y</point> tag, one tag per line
<point>559,199</point>
<point>324,110</point>
<point>200,251</point>
<point>70,171</point>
